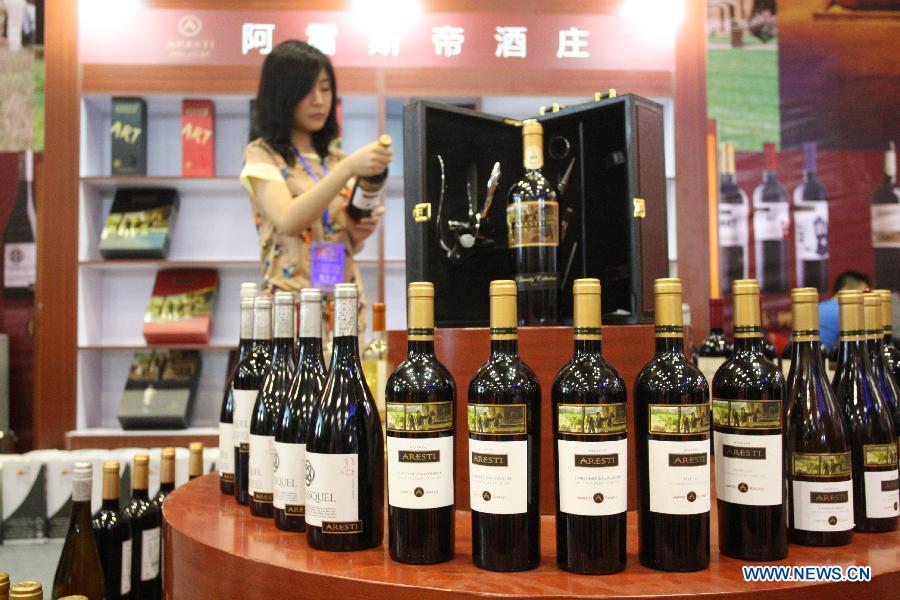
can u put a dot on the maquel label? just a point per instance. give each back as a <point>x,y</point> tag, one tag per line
<point>424,416</point>
<point>497,419</point>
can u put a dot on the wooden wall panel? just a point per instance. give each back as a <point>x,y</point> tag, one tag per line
<point>57,240</point>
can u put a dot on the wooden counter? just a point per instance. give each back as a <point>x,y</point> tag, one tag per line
<point>214,549</point>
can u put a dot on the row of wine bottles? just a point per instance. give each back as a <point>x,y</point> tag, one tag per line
<point>117,552</point>
<point>765,465</point>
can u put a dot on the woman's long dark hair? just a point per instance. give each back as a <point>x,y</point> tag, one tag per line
<point>288,75</point>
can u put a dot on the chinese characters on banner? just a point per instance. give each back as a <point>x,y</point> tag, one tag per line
<point>235,37</point>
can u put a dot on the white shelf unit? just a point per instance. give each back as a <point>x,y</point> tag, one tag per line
<point>213,229</point>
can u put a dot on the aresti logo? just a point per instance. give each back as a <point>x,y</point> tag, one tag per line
<point>188,44</point>
<point>190,26</point>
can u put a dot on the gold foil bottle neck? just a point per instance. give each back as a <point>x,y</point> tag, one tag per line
<point>195,461</point>
<point>587,309</point>
<point>420,311</point>
<point>852,320</point>
<point>669,322</point>
<point>503,310</point>
<point>533,144</point>
<point>385,140</point>
<point>805,314</point>
<point>378,316</point>
<point>874,327</point>
<point>26,590</point>
<point>167,466</point>
<point>887,315</point>
<point>747,316</point>
<point>111,480</point>
<point>141,472</point>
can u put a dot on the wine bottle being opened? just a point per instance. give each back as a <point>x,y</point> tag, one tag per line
<point>532,219</point>
<point>368,192</point>
<point>345,448</point>
<point>421,417</point>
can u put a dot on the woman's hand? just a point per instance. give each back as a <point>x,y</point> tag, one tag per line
<point>369,160</point>
<point>360,230</point>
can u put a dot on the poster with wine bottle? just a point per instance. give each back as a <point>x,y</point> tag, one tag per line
<point>818,165</point>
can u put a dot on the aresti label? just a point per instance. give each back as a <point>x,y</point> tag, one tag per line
<point>533,223</point>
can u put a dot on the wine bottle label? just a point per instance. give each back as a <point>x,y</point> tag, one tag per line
<point>771,221</point>
<point>749,468</point>
<point>367,196</point>
<point>420,472</point>
<point>823,505</point>
<point>886,225</point>
<point>497,419</point>
<point>423,416</point>
<point>591,419</point>
<point>533,223</point>
<point>816,466</point>
<point>332,492</point>
<point>262,461</point>
<point>498,476</point>
<point>149,554</point>
<point>811,230</point>
<point>287,483</point>
<point>243,412</point>
<point>708,365</point>
<point>19,265</point>
<point>742,415</point>
<point>527,282</point>
<point>226,451</point>
<point>882,498</point>
<point>733,225</point>
<point>125,583</point>
<point>679,476</point>
<point>593,477</point>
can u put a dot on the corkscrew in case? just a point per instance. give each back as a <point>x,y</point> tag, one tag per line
<point>465,235</point>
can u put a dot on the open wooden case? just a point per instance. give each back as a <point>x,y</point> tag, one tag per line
<point>612,210</point>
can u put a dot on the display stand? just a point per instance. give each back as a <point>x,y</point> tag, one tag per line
<point>214,549</point>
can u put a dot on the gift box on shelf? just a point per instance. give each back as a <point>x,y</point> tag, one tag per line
<point>128,131</point>
<point>140,223</point>
<point>180,310</point>
<point>605,158</point>
<point>160,389</point>
<point>198,138</point>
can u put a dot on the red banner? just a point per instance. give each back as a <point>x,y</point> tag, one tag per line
<point>128,34</point>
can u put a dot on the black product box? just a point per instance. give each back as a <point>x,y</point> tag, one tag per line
<point>160,390</point>
<point>610,155</point>
<point>140,223</point>
<point>128,131</point>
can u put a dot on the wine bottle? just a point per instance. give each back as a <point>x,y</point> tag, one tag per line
<point>819,468</point>
<point>885,358</point>
<point>146,519</point>
<point>532,219</point>
<point>195,460</point>
<point>79,570</point>
<point>112,532</point>
<point>870,430</point>
<point>504,421</point>
<point>26,590</point>
<point>771,222</point>
<point>344,447</point>
<point>734,216</point>
<point>289,483</point>
<point>375,360</point>
<point>368,191</point>
<point>226,415</point>
<point>19,254</point>
<point>811,225</point>
<point>714,350</point>
<point>885,213</point>
<point>248,378</point>
<point>166,477</point>
<point>748,392</point>
<point>591,448</point>
<point>672,445</point>
<point>269,402</point>
<point>421,418</point>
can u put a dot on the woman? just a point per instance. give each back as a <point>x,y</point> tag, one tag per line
<point>298,183</point>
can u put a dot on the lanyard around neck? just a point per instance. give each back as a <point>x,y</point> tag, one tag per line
<point>316,179</point>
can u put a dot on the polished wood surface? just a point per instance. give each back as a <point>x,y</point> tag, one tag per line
<point>545,349</point>
<point>215,549</point>
<point>75,441</point>
<point>56,288</point>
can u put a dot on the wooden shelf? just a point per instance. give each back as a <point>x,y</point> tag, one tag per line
<point>111,437</point>
<point>224,184</point>
<point>216,549</point>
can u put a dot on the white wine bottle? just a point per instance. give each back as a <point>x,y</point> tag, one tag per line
<point>375,359</point>
<point>79,570</point>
